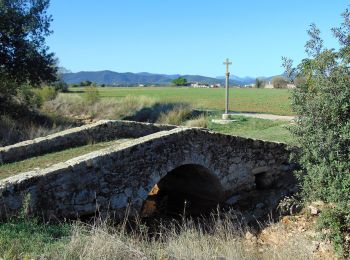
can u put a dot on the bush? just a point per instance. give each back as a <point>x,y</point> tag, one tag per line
<point>60,86</point>
<point>334,224</point>
<point>323,128</point>
<point>46,93</point>
<point>92,95</point>
<point>27,96</point>
<point>322,101</point>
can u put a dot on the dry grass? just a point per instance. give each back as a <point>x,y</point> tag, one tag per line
<point>201,121</point>
<point>77,106</point>
<point>176,116</point>
<point>134,107</point>
<point>214,238</point>
<point>13,130</point>
<point>221,239</point>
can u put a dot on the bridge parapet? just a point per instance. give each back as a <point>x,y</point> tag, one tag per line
<point>104,130</point>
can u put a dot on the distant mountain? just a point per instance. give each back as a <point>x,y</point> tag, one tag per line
<point>114,78</point>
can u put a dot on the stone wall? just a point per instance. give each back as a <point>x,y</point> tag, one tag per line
<point>111,180</point>
<point>104,130</point>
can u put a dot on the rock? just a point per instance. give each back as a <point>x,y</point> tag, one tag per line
<point>313,210</point>
<point>289,206</point>
<point>249,236</point>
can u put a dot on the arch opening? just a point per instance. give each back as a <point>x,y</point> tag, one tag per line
<point>190,189</point>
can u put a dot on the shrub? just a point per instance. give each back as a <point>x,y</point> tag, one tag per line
<point>91,95</point>
<point>46,93</point>
<point>322,101</point>
<point>27,96</point>
<point>279,82</point>
<point>334,224</point>
<point>323,128</point>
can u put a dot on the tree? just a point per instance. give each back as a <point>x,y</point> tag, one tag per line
<point>86,83</point>
<point>179,81</point>
<point>24,57</point>
<point>279,82</point>
<point>260,83</point>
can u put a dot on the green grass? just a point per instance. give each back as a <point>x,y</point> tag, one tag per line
<point>47,160</point>
<point>263,129</point>
<point>28,238</point>
<point>274,101</point>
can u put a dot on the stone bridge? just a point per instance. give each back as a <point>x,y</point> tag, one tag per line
<point>189,163</point>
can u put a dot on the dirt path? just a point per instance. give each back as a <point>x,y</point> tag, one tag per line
<point>265,116</point>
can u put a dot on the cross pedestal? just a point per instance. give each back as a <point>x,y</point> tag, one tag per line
<point>225,116</point>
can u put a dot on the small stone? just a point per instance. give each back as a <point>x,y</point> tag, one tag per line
<point>313,210</point>
<point>249,236</point>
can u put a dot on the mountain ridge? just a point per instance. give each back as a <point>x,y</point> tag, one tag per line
<point>109,77</point>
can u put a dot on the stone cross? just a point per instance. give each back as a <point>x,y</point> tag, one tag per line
<point>227,63</point>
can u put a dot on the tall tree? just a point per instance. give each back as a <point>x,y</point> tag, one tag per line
<point>24,56</point>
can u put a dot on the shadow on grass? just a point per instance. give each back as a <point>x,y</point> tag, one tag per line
<point>153,113</point>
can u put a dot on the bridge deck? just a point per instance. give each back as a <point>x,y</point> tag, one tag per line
<point>46,160</point>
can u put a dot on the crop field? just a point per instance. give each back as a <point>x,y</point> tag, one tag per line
<point>273,101</point>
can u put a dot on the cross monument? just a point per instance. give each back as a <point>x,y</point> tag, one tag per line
<point>225,116</point>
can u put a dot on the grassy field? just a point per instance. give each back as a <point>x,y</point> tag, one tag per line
<point>49,159</point>
<point>263,129</point>
<point>274,101</point>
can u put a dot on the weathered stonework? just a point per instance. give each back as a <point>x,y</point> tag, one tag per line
<point>103,130</point>
<point>113,179</point>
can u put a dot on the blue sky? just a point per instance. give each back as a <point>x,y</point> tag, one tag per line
<point>187,36</point>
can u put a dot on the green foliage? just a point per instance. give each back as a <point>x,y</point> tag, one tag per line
<point>28,97</point>
<point>322,99</point>
<point>91,95</point>
<point>334,223</point>
<point>86,83</point>
<point>24,24</point>
<point>60,86</point>
<point>179,81</point>
<point>46,93</point>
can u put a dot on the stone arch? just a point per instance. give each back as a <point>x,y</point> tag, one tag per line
<point>190,188</point>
